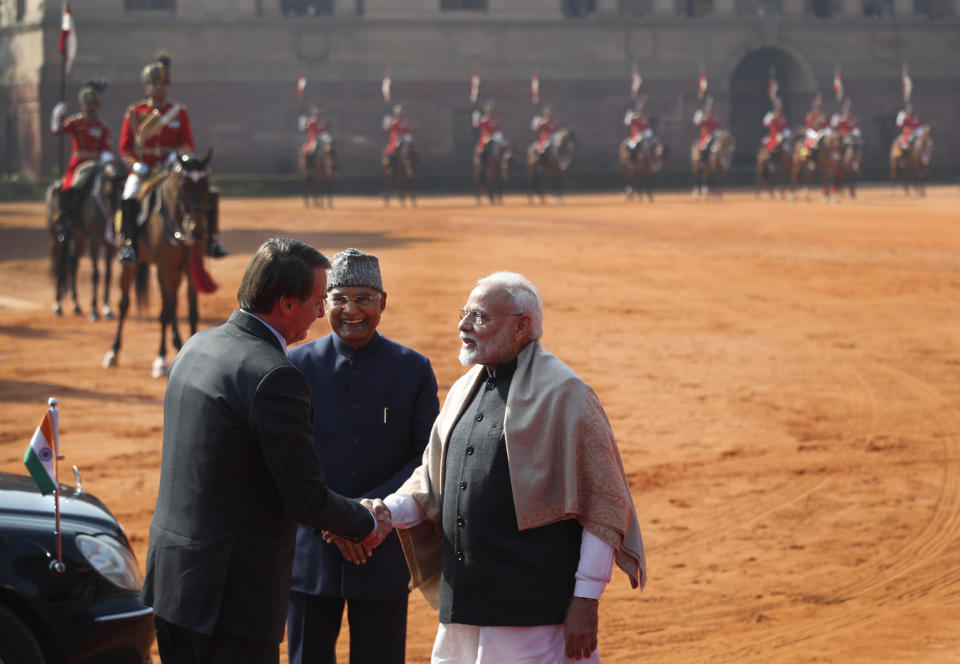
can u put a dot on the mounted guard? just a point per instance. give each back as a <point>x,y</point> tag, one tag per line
<point>317,158</point>
<point>154,132</point>
<point>90,146</point>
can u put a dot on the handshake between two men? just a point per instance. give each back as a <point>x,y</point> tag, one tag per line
<point>358,552</point>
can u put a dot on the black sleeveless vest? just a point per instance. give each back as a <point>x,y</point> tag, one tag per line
<point>492,573</point>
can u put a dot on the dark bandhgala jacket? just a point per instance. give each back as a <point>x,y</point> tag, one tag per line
<point>238,472</point>
<point>375,408</point>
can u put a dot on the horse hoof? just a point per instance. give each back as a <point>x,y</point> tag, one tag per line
<point>109,360</point>
<point>159,369</point>
<point>107,312</point>
<point>93,317</point>
<point>77,311</point>
<point>57,309</point>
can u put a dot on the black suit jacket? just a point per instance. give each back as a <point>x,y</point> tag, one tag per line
<point>238,472</point>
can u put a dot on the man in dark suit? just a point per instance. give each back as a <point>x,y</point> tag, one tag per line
<point>239,471</point>
<point>376,402</point>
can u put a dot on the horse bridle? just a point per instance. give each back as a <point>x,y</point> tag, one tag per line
<point>184,212</point>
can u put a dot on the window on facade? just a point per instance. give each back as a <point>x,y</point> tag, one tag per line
<point>307,7</point>
<point>160,5</point>
<point>933,9</point>
<point>821,8</point>
<point>878,8</point>
<point>470,5</point>
<point>579,8</point>
<point>698,8</point>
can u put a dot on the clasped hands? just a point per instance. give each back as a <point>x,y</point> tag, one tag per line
<point>358,552</point>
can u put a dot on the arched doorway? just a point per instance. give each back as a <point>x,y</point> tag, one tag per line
<point>749,101</point>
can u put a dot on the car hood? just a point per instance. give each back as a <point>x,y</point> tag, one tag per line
<point>21,501</point>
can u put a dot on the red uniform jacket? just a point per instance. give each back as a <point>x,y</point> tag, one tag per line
<point>397,128</point>
<point>908,122</point>
<point>845,126</point>
<point>707,124</point>
<point>150,134</point>
<point>88,137</point>
<point>488,127</point>
<point>638,125</point>
<point>314,128</point>
<point>775,125</point>
<point>546,128</point>
<point>816,121</point>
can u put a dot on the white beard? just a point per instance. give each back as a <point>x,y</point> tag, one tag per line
<point>485,352</point>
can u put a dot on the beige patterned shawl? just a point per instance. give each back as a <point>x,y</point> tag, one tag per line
<point>564,464</point>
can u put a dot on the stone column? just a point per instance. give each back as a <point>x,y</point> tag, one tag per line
<point>724,8</point>
<point>851,8</point>
<point>903,8</point>
<point>794,7</point>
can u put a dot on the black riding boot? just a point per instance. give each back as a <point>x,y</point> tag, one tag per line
<point>127,255</point>
<point>214,248</point>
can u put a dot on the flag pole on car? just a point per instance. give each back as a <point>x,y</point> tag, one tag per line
<point>41,459</point>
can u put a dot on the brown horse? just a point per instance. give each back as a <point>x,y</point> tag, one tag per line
<point>491,167</point>
<point>851,162</point>
<point>400,173</point>
<point>98,189</point>
<point>318,166</point>
<point>555,161</point>
<point>774,166</point>
<point>709,172</point>
<point>912,163</point>
<point>173,238</point>
<point>826,159</point>
<point>640,166</point>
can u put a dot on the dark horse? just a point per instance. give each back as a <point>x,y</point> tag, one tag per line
<point>318,169</point>
<point>400,173</point>
<point>554,161</point>
<point>640,168</point>
<point>912,163</point>
<point>99,193</point>
<point>851,162</point>
<point>710,172</point>
<point>173,238</point>
<point>825,159</point>
<point>772,166</point>
<point>491,167</point>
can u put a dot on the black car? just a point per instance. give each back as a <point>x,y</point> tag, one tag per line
<point>88,613</point>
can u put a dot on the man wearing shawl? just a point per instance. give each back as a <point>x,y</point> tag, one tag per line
<point>513,521</point>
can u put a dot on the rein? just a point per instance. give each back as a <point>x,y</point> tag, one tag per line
<point>173,228</point>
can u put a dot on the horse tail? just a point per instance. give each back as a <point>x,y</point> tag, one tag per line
<point>140,284</point>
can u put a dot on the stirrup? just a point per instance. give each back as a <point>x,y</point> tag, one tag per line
<point>216,250</point>
<point>126,256</point>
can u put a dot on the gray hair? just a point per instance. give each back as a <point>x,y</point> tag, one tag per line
<point>525,296</point>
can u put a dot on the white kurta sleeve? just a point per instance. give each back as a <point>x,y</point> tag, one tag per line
<point>596,566</point>
<point>405,512</point>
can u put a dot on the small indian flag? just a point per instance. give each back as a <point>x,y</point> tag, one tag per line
<point>40,458</point>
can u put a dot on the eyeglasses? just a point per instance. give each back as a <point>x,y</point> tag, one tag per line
<point>340,301</point>
<point>478,319</point>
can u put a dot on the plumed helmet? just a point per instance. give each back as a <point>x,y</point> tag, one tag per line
<point>398,109</point>
<point>91,92</point>
<point>155,72</point>
<point>163,58</point>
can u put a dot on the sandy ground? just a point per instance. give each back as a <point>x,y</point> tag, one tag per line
<point>783,380</point>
